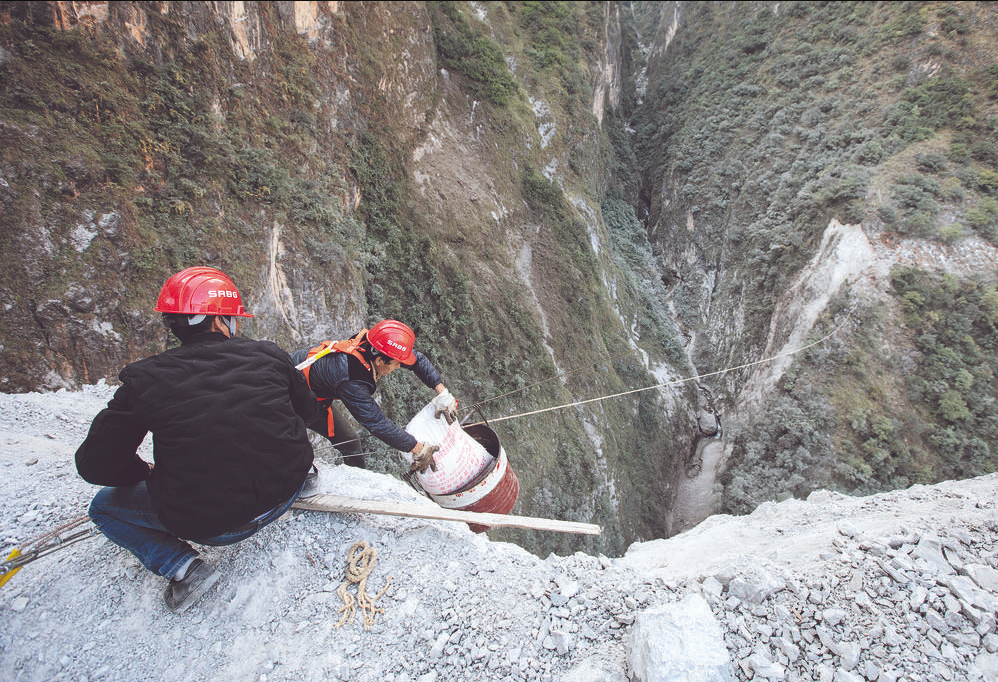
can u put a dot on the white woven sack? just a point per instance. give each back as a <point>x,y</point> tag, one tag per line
<point>426,428</point>
<point>459,459</point>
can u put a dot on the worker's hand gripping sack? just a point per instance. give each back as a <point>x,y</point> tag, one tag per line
<point>460,457</point>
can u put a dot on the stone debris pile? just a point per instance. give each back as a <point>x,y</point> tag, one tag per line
<point>917,606</point>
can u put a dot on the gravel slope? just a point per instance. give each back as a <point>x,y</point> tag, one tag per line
<point>833,588</point>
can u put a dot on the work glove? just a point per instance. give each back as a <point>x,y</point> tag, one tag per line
<point>422,458</point>
<point>445,404</point>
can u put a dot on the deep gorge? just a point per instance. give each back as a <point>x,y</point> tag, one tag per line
<point>565,200</point>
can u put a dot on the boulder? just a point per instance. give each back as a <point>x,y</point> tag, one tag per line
<point>680,642</point>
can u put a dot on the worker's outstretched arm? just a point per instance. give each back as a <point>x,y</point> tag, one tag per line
<point>358,400</point>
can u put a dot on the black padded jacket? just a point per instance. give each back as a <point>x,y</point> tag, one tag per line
<point>227,418</point>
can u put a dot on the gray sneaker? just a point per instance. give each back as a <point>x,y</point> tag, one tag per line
<point>311,486</point>
<point>180,594</point>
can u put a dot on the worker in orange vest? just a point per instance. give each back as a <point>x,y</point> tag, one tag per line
<point>349,371</point>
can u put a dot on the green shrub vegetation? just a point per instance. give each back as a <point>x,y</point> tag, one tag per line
<point>953,325</point>
<point>769,125</point>
<point>849,417</point>
<point>464,49</point>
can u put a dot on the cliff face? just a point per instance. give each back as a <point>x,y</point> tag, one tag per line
<point>444,164</point>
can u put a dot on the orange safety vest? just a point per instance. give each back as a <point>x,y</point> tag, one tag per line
<point>346,346</point>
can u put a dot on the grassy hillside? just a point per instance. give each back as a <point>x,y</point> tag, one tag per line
<point>764,122</point>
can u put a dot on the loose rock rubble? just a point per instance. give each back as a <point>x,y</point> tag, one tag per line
<point>899,586</point>
<point>919,605</point>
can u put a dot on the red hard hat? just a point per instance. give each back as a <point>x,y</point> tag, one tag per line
<point>200,291</point>
<point>394,339</point>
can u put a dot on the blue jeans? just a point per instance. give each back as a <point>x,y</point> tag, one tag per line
<point>125,516</point>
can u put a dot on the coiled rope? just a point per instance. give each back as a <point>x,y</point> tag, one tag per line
<point>360,563</point>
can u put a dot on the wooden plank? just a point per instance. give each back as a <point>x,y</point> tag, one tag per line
<point>340,503</point>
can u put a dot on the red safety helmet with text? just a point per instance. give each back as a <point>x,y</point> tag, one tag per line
<point>394,339</point>
<point>200,291</point>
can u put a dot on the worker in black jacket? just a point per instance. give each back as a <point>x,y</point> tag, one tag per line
<point>349,371</point>
<point>230,445</point>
